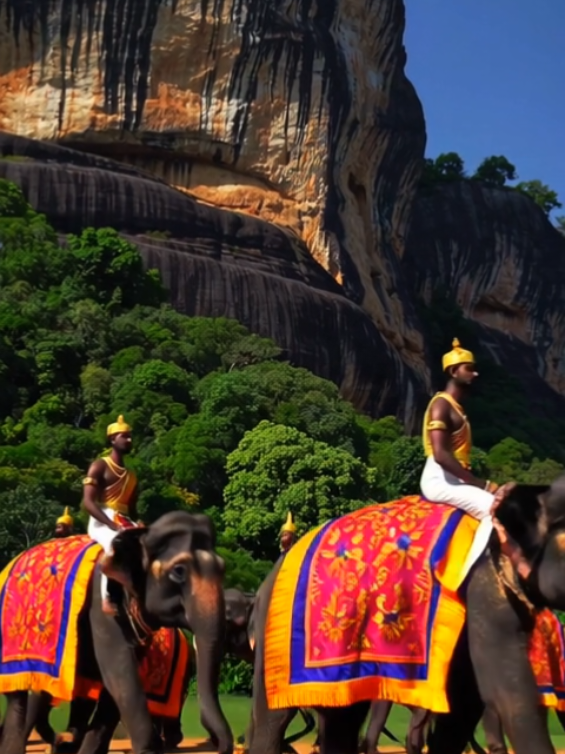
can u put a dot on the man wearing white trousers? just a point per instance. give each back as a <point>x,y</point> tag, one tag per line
<point>110,497</point>
<point>447,476</point>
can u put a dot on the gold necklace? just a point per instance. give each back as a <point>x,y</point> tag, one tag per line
<point>119,471</point>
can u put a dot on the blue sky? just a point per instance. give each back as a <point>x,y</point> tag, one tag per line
<point>491,78</point>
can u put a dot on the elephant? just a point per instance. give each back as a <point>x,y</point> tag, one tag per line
<point>490,663</point>
<point>172,572</point>
<point>238,607</point>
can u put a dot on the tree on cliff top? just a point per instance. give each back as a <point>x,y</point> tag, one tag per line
<point>495,171</point>
<point>542,195</point>
<point>448,166</point>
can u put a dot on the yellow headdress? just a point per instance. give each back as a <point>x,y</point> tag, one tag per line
<point>119,426</point>
<point>288,525</point>
<point>457,356</point>
<point>66,518</point>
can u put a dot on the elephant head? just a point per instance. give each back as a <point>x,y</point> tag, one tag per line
<point>173,571</point>
<point>534,515</point>
<point>239,607</point>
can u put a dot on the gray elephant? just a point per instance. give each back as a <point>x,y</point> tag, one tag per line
<point>171,571</point>
<point>238,608</point>
<point>490,663</point>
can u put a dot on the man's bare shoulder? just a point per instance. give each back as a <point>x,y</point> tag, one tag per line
<point>440,408</point>
<point>97,468</point>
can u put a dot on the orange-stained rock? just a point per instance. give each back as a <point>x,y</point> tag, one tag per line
<point>295,111</point>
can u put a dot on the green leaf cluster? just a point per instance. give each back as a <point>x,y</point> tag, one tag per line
<point>495,171</point>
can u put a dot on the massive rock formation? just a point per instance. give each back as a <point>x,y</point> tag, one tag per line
<point>504,263</point>
<point>221,263</point>
<point>294,110</point>
<point>279,144</point>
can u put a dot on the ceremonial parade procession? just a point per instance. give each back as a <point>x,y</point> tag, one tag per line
<point>416,601</point>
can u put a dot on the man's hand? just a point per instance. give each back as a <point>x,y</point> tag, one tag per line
<point>501,494</point>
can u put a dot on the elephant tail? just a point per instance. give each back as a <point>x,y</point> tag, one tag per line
<point>475,745</point>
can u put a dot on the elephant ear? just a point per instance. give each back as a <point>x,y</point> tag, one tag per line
<point>128,559</point>
<point>523,513</point>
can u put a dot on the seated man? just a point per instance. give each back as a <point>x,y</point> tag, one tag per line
<point>110,498</point>
<point>447,476</point>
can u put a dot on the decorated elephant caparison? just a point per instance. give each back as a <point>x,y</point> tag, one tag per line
<point>238,607</point>
<point>490,662</point>
<point>173,575</point>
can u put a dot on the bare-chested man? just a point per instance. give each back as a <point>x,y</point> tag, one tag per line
<point>110,496</point>
<point>447,476</point>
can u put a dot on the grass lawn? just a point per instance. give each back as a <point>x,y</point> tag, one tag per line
<point>237,710</point>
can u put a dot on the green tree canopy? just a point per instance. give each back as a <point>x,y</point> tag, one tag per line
<point>276,469</point>
<point>541,194</point>
<point>495,171</point>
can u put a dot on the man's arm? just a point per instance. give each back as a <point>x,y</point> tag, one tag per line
<point>441,426</point>
<point>93,482</point>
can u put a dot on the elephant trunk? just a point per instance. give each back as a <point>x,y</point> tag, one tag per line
<point>207,620</point>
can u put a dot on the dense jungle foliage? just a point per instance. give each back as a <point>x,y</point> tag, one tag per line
<point>220,422</point>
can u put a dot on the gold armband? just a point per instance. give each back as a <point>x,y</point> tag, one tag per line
<point>89,480</point>
<point>436,424</point>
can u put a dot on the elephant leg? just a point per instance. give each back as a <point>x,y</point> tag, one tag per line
<point>119,670</point>
<point>380,710</point>
<point>416,737</point>
<point>339,732</point>
<point>99,734</point>
<point>13,733</point>
<point>494,734</point>
<point>268,726</point>
<point>80,714</point>
<point>37,716</point>
<point>452,731</point>
<point>172,732</point>
<point>498,644</point>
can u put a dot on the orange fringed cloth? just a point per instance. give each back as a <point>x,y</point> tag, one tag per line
<point>164,673</point>
<point>42,592</point>
<point>367,607</point>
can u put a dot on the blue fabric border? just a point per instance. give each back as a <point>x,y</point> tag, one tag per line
<point>397,671</point>
<point>39,666</point>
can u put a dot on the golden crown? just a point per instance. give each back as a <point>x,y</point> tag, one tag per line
<point>288,525</point>
<point>117,427</point>
<point>457,356</point>
<point>66,518</point>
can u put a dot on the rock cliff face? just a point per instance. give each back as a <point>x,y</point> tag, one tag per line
<point>221,263</point>
<point>278,143</point>
<point>293,110</point>
<point>505,264</point>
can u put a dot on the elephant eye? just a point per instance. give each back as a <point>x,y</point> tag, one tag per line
<point>178,573</point>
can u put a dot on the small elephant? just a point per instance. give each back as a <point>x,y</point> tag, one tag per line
<point>172,572</point>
